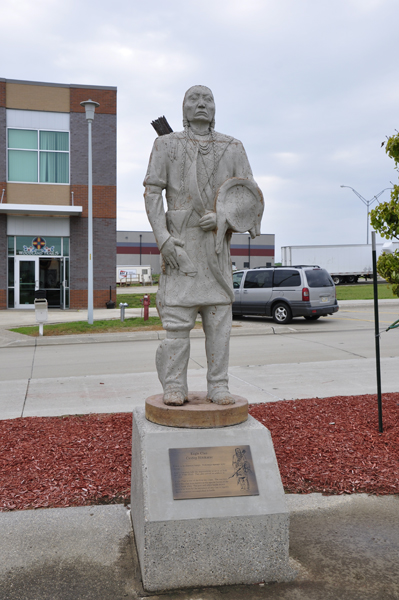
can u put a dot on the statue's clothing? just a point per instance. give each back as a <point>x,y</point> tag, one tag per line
<point>190,182</point>
<point>173,353</point>
<point>190,170</point>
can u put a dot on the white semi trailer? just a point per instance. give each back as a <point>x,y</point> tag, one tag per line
<point>345,263</point>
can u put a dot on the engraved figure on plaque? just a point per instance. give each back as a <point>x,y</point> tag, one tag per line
<point>242,468</point>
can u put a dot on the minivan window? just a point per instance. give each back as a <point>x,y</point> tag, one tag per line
<point>286,278</point>
<point>237,279</point>
<point>258,279</point>
<point>319,278</point>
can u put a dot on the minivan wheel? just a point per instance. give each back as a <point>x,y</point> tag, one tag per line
<point>281,313</point>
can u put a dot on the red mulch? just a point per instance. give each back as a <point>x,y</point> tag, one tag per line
<point>333,445</point>
<point>65,461</point>
<point>329,445</point>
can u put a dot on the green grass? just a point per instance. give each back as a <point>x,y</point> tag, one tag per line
<point>133,300</point>
<point>364,292</point>
<point>105,326</point>
<point>344,292</point>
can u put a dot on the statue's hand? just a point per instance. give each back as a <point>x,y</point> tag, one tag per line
<point>168,252</point>
<point>208,222</point>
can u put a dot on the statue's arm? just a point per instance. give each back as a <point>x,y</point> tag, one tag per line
<point>243,169</point>
<point>242,166</point>
<point>156,213</point>
<point>155,182</point>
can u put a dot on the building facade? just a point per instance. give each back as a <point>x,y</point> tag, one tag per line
<point>140,248</point>
<point>44,194</point>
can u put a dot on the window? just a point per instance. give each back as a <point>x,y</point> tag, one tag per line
<point>237,279</point>
<point>38,156</point>
<point>286,278</point>
<point>258,279</point>
<point>39,246</point>
<point>319,278</point>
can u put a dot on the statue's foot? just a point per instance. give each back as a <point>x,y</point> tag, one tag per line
<point>174,398</point>
<point>222,397</point>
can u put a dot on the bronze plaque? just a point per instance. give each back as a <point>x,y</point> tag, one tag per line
<point>214,472</point>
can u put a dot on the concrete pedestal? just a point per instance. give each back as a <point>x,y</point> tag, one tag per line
<point>209,541</point>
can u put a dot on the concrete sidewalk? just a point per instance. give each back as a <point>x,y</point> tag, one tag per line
<point>124,391</point>
<point>342,547</point>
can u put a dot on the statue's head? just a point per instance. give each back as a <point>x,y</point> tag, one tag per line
<point>199,105</point>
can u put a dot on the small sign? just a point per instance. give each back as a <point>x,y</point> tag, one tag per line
<point>212,472</point>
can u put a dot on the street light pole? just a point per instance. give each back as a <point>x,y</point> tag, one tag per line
<point>368,203</point>
<point>90,107</point>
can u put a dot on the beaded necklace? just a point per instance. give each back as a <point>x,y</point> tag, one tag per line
<point>204,147</point>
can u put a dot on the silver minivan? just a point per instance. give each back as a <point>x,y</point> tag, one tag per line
<point>284,293</point>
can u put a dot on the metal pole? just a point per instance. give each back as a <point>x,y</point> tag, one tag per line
<point>140,248</point>
<point>90,107</point>
<point>368,213</point>
<point>90,232</point>
<point>377,331</point>
<point>249,252</point>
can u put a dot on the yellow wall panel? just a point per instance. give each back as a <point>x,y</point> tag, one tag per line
<point>37,97</point>
<point>28,193</point>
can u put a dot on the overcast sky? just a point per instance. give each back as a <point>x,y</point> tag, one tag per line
<point>311,88</point>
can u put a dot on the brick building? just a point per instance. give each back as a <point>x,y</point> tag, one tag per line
<point>139,248</point>
<point>44,194</point>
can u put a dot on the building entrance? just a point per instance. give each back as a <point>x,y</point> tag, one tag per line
<point>48,274</point>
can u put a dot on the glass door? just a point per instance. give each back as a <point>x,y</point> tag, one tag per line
<point>50,280</point>
<point>26,281</point>
<point>64,263</point>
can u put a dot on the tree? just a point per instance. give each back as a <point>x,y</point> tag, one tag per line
<point>385,220</point>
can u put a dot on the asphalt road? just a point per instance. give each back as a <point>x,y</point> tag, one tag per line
<point>346,335</point>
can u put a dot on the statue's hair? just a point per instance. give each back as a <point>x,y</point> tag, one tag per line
<point>185,122</point>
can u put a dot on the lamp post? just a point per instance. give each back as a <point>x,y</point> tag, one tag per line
<point>368,203</point>
<point>90,107</point>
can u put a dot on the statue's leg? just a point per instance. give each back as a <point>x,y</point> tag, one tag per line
<point>216,321</point>
<point>173,352</point>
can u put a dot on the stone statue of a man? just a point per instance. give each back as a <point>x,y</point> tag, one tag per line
<point>191,166</point>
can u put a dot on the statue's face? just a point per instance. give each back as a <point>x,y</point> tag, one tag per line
<point>199,105</point>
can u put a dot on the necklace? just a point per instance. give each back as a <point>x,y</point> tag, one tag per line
<point>204,148</point>
<point>204,144</point>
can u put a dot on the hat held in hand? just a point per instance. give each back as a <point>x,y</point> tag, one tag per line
<point>239,207</point>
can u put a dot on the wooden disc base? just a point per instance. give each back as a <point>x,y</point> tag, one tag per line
<point>197,412</point>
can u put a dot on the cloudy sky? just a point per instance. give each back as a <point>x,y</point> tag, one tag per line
<point>311,88</point>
